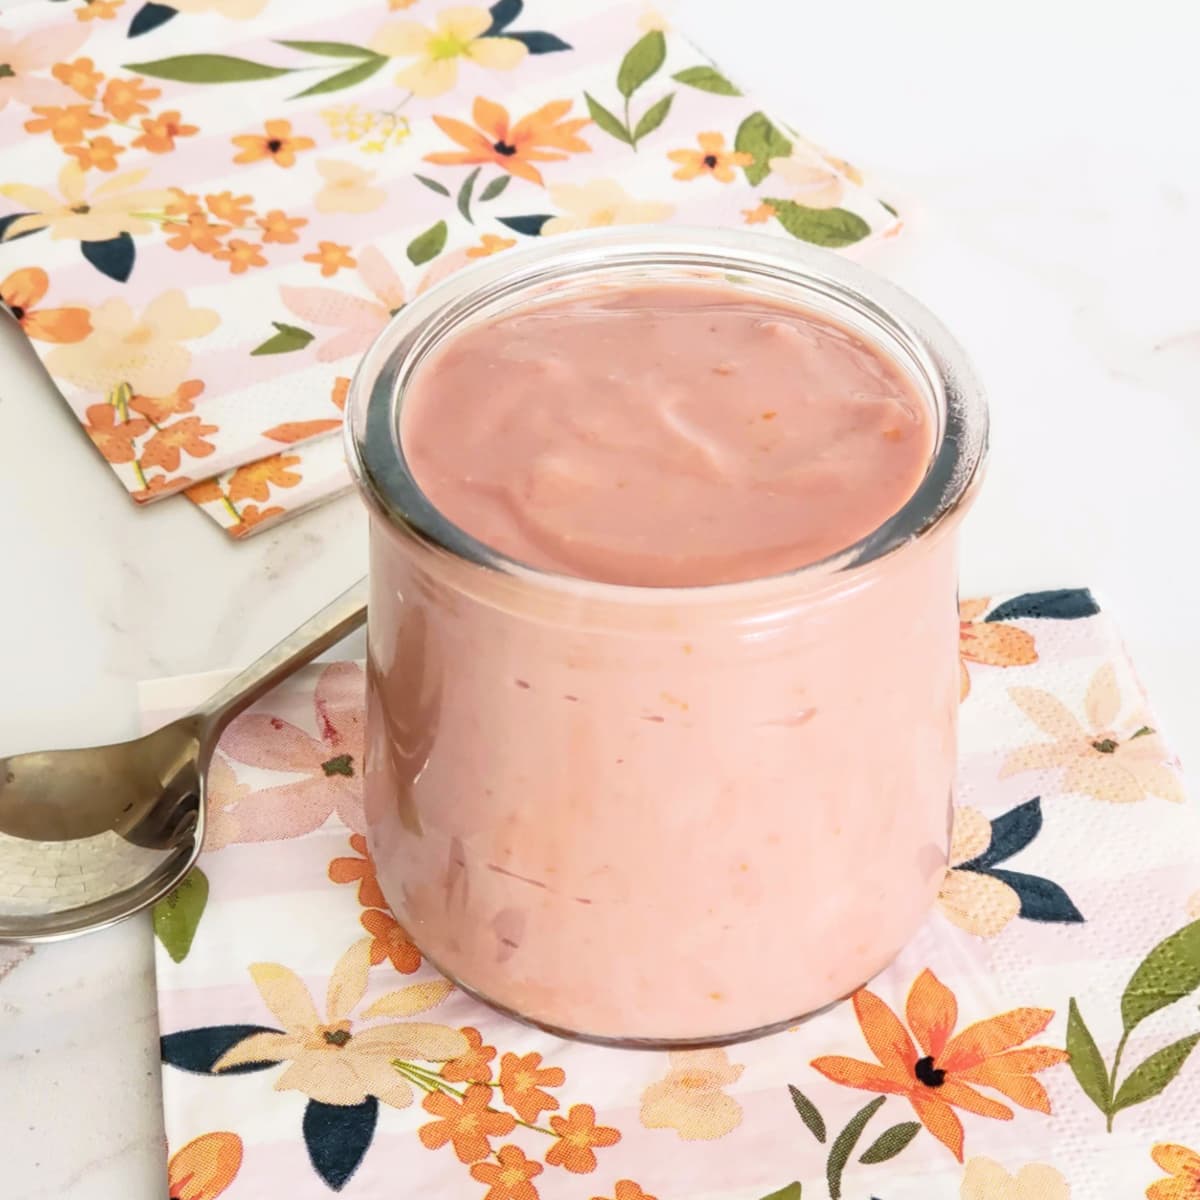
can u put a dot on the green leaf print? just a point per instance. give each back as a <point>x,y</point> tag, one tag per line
<point>790,1192</point>
<point>464,195</point>
<point>756,135</point>
<point>808,1113</point>
<point>642,61</point>
<point>844,1144</point>
<point>177,915</point>
<point>890,1142</point>
<point>433,185</point>
<point>331,49</point>
<point>427,245</point>
<point>1149,1078</point>
<point>494,188</point>
<point>653,117</point>
<point>1168,973</point>
<point>344,79</point>
<point>707,79</point>
<point>833,227</point>
<point>286,340</point>
<point>1087,1063</point>
<point>207,68</point>
<point>607,121</point>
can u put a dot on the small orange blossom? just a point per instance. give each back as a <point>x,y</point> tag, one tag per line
<point>468,1123</point>
<point>23,290</point>
<point>276,143</point>
<point>522,1080</point>
<point>241,255</point>
<point>509,1178</point>
<point>66,125</point>
<point>100,153</point>
<point>577,1133</point>
<point>159,133</point>
<point>80,76</point>
<point>331,257</point>
<point>712,158</point>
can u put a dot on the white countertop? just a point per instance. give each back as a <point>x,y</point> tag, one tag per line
<point>1044,157</point>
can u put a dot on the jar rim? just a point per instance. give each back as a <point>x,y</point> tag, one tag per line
<point>935,361</point>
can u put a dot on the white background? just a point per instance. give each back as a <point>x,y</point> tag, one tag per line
<point>1045,156</point>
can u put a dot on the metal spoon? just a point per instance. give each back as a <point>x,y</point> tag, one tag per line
<point>90,837</point>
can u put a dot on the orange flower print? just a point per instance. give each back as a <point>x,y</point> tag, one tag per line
<point>468,1123</point>
<point>100,153</point>
<point>991,643</point>
<point>1183,1168</point>
<point>331,257</point>
<point>360,870</point>
<point>98,10</point>
<point>114,439</point>
<point>490,244</point>
<point>542,136</point>
<point>225,206</point>
<point>254,480</point>
<point>577,1133</point>
<point>509,1178</point>
<point>197,232</point>
<point>241,255</point>
<point>182,203</point>
<point>205,1167</point>
<point>186,436</point>
<point>159,409</point>
<point>125,98</point>
<point>522,1080</point>
<point>159,133</point>
<point>758,215</point>
<point>341,389</point>
<point>473,1067</point>
<point>276,143</point>
<point>23,290</point>
<point>938,1077</point>
<point>66,125</point>
<point>277,226</point>
<point>710,159</point>
<point>251,516</point>
<point>390,940</point>
<point>161,485</point>
<point>628,1190</point>
<point>80,76</point>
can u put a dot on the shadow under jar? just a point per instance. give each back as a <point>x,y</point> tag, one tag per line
<point>662,815</point>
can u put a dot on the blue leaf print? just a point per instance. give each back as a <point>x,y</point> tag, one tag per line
<point>1011,831</point>
<point>539,42</point>
<point>1041,900</point>
<point>504,13</point>
<point>150,16</point>
<point>113,258</point>
<point>337,1137</point>
<point>1066,604</point>
<point>530,225</point>
<point>196,1050</point>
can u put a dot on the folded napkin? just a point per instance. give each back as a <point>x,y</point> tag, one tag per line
<point>1035,1041</point>
<point>208,208</point>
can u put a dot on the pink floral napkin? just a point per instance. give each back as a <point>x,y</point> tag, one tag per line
<point>208,208</point>
<point>1035,1041</point>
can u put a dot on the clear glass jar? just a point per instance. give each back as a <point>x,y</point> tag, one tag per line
<point>662,815</point>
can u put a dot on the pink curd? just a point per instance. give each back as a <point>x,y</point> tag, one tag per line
<point>641,812</point>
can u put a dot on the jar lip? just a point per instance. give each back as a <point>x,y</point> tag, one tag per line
<point>372,428</point>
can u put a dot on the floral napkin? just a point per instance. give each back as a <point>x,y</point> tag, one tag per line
<point>208,208</point>
<point>1034,1041</point>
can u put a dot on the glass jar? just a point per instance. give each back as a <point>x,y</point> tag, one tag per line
<point>663,816</point>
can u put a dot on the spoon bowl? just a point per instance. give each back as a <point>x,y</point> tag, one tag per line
<point>89,837</point>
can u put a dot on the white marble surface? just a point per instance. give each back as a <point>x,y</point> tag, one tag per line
<point>1045,156</point>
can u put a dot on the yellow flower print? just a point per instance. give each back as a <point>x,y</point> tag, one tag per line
<point>712,158</point>
<point>339,1060</point>
<point>986,1179</point>
<point>347,188</point>
<point>691,1099</point>
<point>457,33</point>
<point>1113,758</point>
<point>490,244</point>
<point>978,903</point>
<point>599,203</point>
<point>236,10</point>
<point>146,352</point>
<point>811,179</point>
<point>112,209</point>
<point>1183,1168</point>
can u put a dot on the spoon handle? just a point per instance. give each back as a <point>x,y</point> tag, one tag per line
<point>338,618</point>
